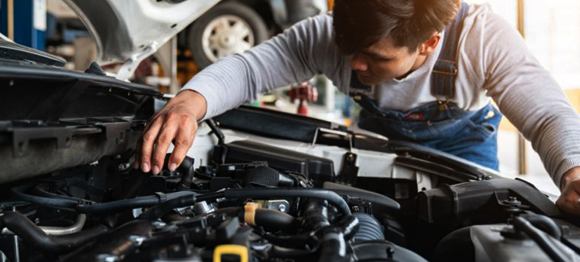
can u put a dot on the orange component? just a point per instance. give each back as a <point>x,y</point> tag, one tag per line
<point>250,213</point>
<point>330,4</point>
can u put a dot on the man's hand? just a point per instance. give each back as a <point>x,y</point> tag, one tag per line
<point>177,123</point>
<point>568,200</point>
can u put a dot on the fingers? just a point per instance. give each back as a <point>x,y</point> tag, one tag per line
<point>177,123</point>
<point>147,143</point>
<point>177,128</point>
<point>136,162</point>
<point>166,135</point>
<point>183,141</point>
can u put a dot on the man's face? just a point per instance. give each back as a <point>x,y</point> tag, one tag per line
<point>382,62</point>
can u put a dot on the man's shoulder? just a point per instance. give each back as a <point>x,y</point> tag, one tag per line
<point>483,28</point>
<point>319,26</point>
<point>322,19</point>
<point>483,16</point>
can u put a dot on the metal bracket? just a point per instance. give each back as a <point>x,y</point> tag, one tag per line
<point>116,131</point>
<point>22,136</point>
<point>129,67</point>
<point>280,205</point>
<point>349,171</point>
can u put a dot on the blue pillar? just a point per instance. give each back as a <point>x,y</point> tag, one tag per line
<point>29,22</point>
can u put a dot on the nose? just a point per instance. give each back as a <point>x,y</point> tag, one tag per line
<point>358,63</point>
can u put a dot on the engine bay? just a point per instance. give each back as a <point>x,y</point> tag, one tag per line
<point>257,211</point>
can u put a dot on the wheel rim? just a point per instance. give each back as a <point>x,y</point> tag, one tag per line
<point>226,35</point>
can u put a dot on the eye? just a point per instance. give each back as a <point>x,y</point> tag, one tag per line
<point>381,59</point>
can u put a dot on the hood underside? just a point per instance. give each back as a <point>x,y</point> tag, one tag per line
<point>123,29</point>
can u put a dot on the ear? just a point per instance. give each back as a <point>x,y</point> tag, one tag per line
<point>427,47</point>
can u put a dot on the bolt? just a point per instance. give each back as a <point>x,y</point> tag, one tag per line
<point>513,201</point>
<point>282,208</point>
<point>390,252</point>
<point>350,157</point>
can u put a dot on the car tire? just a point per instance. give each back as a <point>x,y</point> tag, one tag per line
<point>228,28</point>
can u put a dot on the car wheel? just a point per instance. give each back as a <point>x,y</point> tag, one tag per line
<point>226,29</point>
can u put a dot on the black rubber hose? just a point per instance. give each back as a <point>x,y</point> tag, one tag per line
<point>375,198</point>
<point>120,205</point>
<point>87,207</point>
<point>275,220</point>
<point>315,214</point>
<point>187,171</point>
<point>329,196</point>
<point>210,196</point>
<point>545,244</point>
<point>18,193</point>
<point>272,220</point>
<point>160,210</point>
<point>545,224</point>
<point>229,211</point>
<point>300,241</point>
<point>42,190</point>
<point>333,247</point>
<point>290,253</point>
<point>35,237</point>
<point>369,228</point>
<point>349,226</point>
<point>216,131</point>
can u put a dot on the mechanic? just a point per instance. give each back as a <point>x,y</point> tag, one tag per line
<point>423,71</point>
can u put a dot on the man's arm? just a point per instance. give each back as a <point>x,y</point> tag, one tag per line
<point>294,56</point>
<point>298,54</point>
<point>533,101</point>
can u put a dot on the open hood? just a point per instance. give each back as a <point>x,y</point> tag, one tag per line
<point>130,30</point>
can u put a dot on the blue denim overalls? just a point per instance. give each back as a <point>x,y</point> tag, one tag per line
<point>441,125</point>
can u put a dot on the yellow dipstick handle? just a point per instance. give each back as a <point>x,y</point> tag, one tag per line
<point>238,250</point>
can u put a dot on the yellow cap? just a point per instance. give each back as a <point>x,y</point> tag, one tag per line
<point>238,250</point>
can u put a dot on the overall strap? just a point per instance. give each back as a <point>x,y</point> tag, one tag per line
<point>445,69</point>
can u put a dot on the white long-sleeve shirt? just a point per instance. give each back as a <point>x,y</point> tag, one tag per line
<point>494,63</point>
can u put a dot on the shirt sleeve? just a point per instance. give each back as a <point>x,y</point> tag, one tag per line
<point>296,55</point>
<point>528,95</point>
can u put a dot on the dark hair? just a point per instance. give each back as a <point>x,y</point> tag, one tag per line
<point>359,24</point>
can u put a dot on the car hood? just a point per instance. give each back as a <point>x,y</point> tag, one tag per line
<point>125,29</point>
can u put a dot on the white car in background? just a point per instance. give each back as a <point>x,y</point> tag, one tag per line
<point>129,31</point>
<point>234,26</point>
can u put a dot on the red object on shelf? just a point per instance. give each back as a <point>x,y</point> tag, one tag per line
<point>304,93</point>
